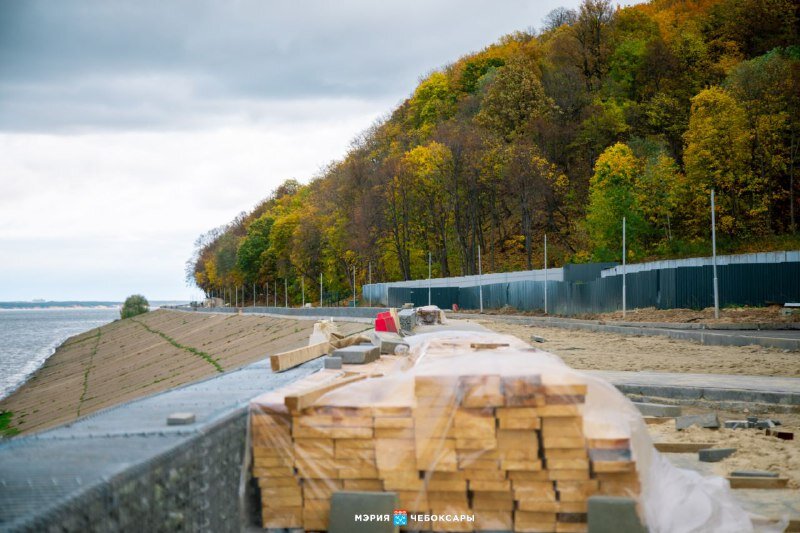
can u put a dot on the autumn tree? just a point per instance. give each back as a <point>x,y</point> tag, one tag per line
<point>717,156</point>
<point>514,98</point>
<point>613,196</point>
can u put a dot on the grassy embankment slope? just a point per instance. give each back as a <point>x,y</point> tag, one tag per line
<point>132,358</point>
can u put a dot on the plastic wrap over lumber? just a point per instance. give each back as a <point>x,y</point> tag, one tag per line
<point>509,435</point>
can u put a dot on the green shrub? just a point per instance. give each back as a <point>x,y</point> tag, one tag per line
<point>134,305</point>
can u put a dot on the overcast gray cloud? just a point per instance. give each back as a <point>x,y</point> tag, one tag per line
<point>129,128</point>
<point>147,64</point>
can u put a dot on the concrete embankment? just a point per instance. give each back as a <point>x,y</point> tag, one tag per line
<point>136,357</point>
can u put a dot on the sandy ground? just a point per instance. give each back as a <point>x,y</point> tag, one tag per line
<point>754,449</point>
<point>123,361</point>
<point>732,315</point>
<point>608,351</point>
<point>757,315</point>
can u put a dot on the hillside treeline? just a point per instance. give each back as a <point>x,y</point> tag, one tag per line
<point>604,113</point>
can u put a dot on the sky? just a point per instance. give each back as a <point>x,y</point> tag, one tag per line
<point>127,129</point>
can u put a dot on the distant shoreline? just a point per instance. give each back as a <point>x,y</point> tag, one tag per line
<point>76,304</point>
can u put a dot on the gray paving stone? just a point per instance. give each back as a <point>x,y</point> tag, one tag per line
<point>408,319</point>
<point>332,362</point>
<point>737,424</point>
<point>713,455</point>
<point>613,514</point>
<point>346,505</point>
<point>657,409</point>
<point>753,473</point>
<point>708,420</point>
<point>358,354</point>
<point>388,341</point>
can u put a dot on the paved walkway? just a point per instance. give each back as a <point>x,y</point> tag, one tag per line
<point>709,387</point>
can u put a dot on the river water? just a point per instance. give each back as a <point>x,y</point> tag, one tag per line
<point>29,336</point>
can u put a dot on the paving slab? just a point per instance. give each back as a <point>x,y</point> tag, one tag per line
<point>358,354</point>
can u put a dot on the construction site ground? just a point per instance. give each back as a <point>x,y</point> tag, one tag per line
<point>609,351</point>
<point>727,315</point>
<point>647,357</point>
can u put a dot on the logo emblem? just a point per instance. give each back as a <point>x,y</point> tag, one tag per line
<point>400,517</point>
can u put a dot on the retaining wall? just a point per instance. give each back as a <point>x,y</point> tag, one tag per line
<point>124,469</point>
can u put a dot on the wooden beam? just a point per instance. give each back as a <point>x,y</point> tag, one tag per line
<point>301,400</point>
<point>682,447</point>
<point>742,482</point>
<point>286,360</point>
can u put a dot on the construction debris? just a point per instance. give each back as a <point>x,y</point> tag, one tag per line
<point>709,420</point>
<point>408,319</point>
<point>784,435</point>
<point>429,315</point>
<point>358,354</point>
<point>657,409</point>
<point>752,422</point>
<point>752,482</point>
<point>682,447</point>
<point>388,342</point>
<point>753,473</point>
<point>612,514</point>
<point>714,455</point>
<point>332,362</point>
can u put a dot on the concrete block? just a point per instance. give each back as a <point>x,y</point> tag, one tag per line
<point>180,419</point>
<point>753,473</point>
<point>657,409</point>
<point>612,514</point>
<point>408,319</point>
<point>537,338</point>
<point>713,455</point>
<point>387,341</point>
<point>765,424</point>
<point>333,362</point>
<point>357,354</point>
<point>737,424</point>
<point>346,505</point>
<point>710,421</point>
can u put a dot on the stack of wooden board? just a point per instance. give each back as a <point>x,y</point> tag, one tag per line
<point>510,450</point>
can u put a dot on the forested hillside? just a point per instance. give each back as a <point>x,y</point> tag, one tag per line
<point>604,113</point>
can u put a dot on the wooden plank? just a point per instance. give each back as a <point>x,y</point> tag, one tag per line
<point>488,345</point>
<point>742,482</point>
<point>301,400</point>
<point>292,358</point>
<point>682,447</point>
<point>658,419</point>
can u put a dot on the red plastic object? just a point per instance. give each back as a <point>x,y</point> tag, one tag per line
<point>385,322</point>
